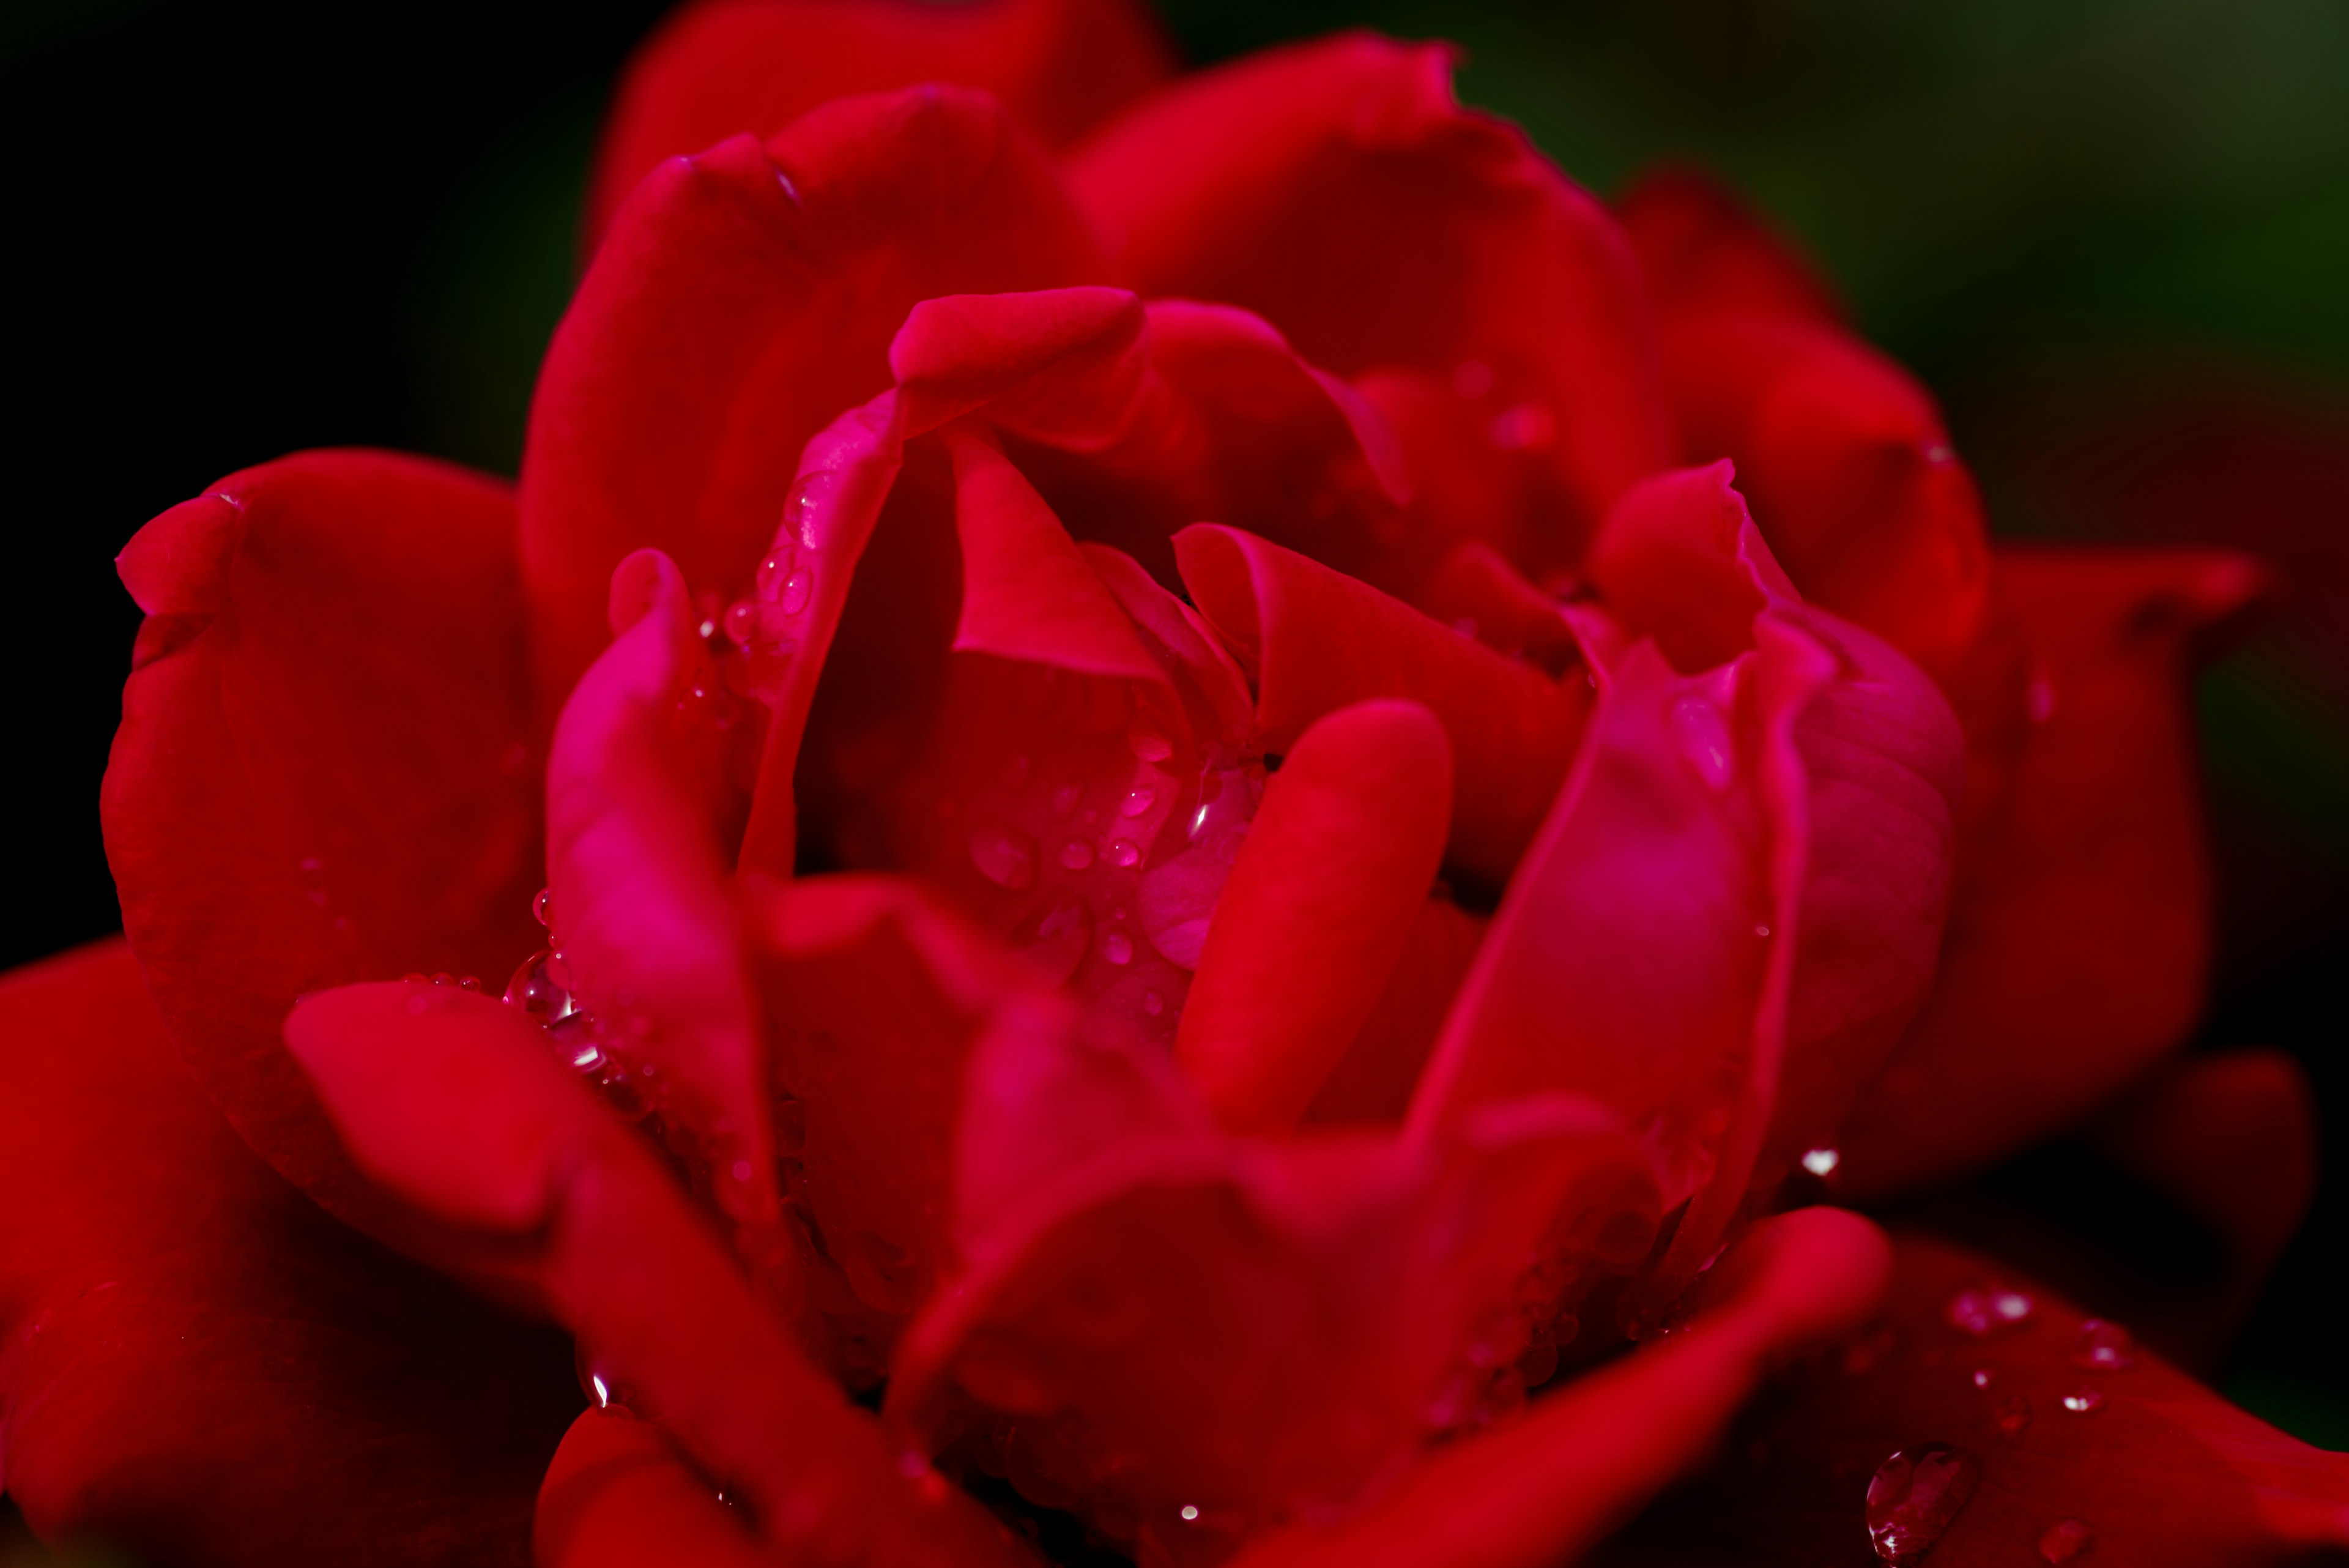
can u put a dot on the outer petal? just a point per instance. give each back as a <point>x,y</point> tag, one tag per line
<point>1702,251</point>
<point>1546,1489</point>
<point>619,1493</point>
<point>722,67</point>
<point>1314,640</point>
<point>2079,934</point>
<point>198,1365</point>
<point>324,770</point>
<point>745,296</point>
<point>663,1320</point>
<point>1338,189</point>
<point>2156,1471</point>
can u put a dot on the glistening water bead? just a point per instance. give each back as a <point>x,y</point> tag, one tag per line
<point>1914,1495</point>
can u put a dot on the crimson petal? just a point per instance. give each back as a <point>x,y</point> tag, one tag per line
<point>1702,250</point>
<point>1338,189</point>
<point>744,296</point>
<point>723,67</point>
<point>198,1364</point>
<point>323,772</point>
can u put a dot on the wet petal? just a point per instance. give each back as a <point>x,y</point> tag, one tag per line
<point>2079,937</point>
<point>1702,250</point>
<point>1338,189</point>
<point>1314,640</point>
<point>724,67</point>
<point>1547,1489</point>
<point>1191,1338</point>
<point>2159,1469</point>
<point>665,1323</point>
<point>744,297</point>
<point>202,1366</point>
<point>642,919</point>
<point>325,770</point>
<point>618,1493</point>
<point>1325,892</point>
<point>1640,956</point>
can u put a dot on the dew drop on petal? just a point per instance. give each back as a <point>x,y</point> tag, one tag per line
<point>1139,799</point>
<point>1189,1510</point>
<point>1076,854</point>
<point>1152,1004</point>
<point>804,515</point>
<point>1004,856</point>
<point>1914,1495</point>
<point>2104,1346</point>
<point>2013,1415</point>
<point>1988,1309</point>
<point>1822,1162</point>
<point>1985,1377</point>
<point>1150,746</point>
<point>1123,852</point>
<point>1064,800</point>
<point>796,589</point>
<point>538,990</point>
<point>1118,947</point>
<point>773,572</point>
<point>2065,1540</point>
<point>2084,1400</point>
<point>541,908</point>
<point>1702,735</point>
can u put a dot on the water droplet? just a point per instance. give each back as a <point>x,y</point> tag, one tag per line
<point>1004,856</point>
<point>469,982</point>
<point>774,573</point>
<point>1189,1510</point>
<point>741,622</point>
<point>1118,947</point>
<point>1076,854</point>
<point>1703,736</point>
<point>2067,1538</point>
<point>1123,852</point>
<point>1149,746</point>
<point>538,990</point>
<point>602,1390</point>
<point>804,516</point>
<point>1763,933</point>
<point>1064,800</point>
<point>1061,939</point>
<point>1990,1309</point>
<point>2013,1414</point>
<point>1913,1496</point>
<point>1139,799</point>
<point>416,977</point>
<point>2104,1346</point>
<point>1985,1377</point>
<point>2084,1400</point>
<point>796,589</point>
<point>1822,1162</point>
<point>1152,1004</point>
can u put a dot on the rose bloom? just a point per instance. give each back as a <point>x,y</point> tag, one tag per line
<point>1254,828</point>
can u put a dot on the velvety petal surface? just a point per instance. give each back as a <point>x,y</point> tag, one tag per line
<point>667,1324</point>
<point>1338,189</point>
<point>1547,1488</point>
<point>619,1492</point>
<point>196,1362</point>
<point>2075,1445</point>
<point>719,68</point>
<point>743,298</point>
<point>324,771</point>
<point>1700,250</point>
<point>2079,930</point>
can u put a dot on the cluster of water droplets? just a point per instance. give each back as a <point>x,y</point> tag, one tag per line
<point>541,988</point>
<point>767,627</point>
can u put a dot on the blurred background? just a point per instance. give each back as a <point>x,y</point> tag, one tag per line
<point>2113,235</point>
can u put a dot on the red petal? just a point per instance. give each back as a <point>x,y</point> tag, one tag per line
<point>743,298</point>
<point>1882,761</point>
<point>199,1364</point>
<point>1374,1081</point>
<point>324,770</point>
<point>1547,1489</point>
<point>1702,250</point>
<point>1849,470</point>
<point>878,994</point>
<point>1338,189</point>
<point>723,67</point>
<point>663,1317</point>
<point>2079,934</point>
<point>642,917</point>
<point>2161,1471</point>
<point>620,1494</point>
<point>1641,955</point>
<point>1326,888</point>
<point>1315,640</point>
<point>1189,1338</point>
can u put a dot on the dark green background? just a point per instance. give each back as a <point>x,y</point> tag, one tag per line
<point>235,230</point>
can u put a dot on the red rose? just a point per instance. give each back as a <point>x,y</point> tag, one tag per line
<point>1224,778</point>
